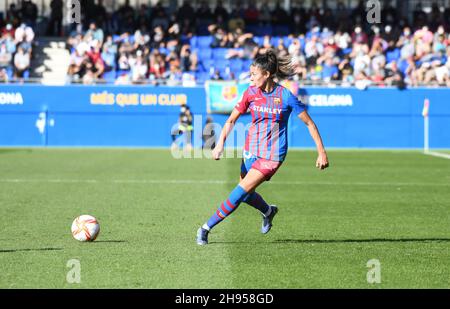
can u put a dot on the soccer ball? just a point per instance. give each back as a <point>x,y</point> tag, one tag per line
<point>85,228</point>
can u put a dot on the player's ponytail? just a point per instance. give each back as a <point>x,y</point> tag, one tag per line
<point>278,67</point>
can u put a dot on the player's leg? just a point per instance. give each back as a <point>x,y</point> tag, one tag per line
<point>253,199</point>
<point>256,201</point>
<point>268,168</point>
<point>248,184</point>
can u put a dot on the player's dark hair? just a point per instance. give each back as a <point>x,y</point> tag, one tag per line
<point>279,67</point>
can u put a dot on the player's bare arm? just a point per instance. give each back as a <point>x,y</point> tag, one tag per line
<point>229,124</point>
<point>322,159</point>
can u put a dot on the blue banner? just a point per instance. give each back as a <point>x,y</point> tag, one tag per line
<point>37,115</point>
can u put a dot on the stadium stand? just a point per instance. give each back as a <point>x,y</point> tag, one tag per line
<point>160,45</point>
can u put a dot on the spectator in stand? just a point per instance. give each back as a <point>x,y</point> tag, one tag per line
<point>329,69</point>
<point>313,49</point>
<point>126,17</point>
<point>236,21</point>
<point>157,66</point>
<point>159,17</point>
<point>203,14</point>
<point>95,59</point>
<point>279,16</point>
<point>29,13</point>
<point>186,11</point>
<point>94,33</point>
<point>24,35</point>
<point>251,14</point>
<point>219,36</point>
<point>174,75</point>
<point>394,76</point>
<point>100,14</point>
<point>7,49</point>
<point>221,13</point>
<point>21,62</point>
<point>350,53</point>
<point>76,62</point>
<point>188,60</point>
<point>297,19</point>
<point>265,15</point>
<point>143,16</point>
<point>139,68</point>
<point>56,16</point>
<point>359,36</point>
<point>4,78</point>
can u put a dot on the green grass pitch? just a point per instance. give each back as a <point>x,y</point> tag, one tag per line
<point>393,206</point>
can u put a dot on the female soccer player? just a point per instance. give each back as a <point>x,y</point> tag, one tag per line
<point>266,143</point>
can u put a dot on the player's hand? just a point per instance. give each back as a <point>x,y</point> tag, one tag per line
<point>217,152</point>
<point>322,161</point>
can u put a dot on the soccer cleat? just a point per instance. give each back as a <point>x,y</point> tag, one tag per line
<point>267,221</point>
<point>202,236</point>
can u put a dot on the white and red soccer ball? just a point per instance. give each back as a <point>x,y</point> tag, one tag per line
<point>85,228</point>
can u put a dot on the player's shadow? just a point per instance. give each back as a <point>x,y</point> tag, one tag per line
<point>372,240</point>
<point>25,250</point>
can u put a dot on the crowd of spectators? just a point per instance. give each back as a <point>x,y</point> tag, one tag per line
<point>153,45</point>
<point>16,41</point>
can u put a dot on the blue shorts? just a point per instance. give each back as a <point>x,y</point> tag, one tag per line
<point>267,167</point>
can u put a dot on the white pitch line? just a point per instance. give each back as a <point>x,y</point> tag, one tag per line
<point>219,182</point>
<point>437,154</point>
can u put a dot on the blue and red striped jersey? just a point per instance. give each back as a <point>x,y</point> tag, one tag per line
<point>267,136</point>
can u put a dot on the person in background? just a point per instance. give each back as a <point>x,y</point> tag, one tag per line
<point>184,128</point>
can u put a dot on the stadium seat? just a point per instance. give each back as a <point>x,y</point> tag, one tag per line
<point>202,29</point>
<point>221,64</point>
<point>205,53</point>
<point>258,40</point>
<point>225,73</point>
<point>236,65</point>
<point>393,55</point>
<point>246,64</point>
<point>403,66</point>
<point>163,50</point>
<point>204,41</point>
<point>220,53</point>
<point>206,64</point>
<point>10,72</point>
<point>274,41</point>
<point>287,41</point>
<point>347,51</point>
<point>110,77</point>
<point>122,72</point>
<point>193,42</point>
<point>251,28</point>
<point>201,77</point>
<point>281,30</point>
<point>302,41</point>
<point>264,30</point>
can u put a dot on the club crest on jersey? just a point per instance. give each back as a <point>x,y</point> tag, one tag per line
<point>277,100</point>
